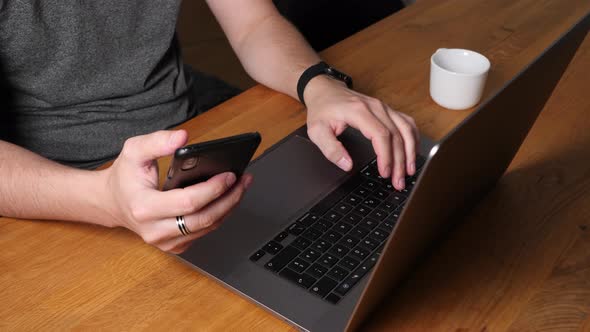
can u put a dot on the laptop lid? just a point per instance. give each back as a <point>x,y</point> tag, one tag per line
<point>467,163</point>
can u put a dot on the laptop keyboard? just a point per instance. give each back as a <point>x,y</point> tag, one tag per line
<point>329,249</point>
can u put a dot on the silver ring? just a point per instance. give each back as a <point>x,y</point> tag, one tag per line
<point>182,225</point>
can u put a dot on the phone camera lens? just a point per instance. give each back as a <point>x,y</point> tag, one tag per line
<point>189,163</point>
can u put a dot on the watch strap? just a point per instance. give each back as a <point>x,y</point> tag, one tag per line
<point>320,68</point>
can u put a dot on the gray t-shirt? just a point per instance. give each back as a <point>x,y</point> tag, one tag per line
<point>86,75</point>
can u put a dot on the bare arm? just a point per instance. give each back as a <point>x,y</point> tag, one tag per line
<point>37,188</point>
<point>125,194</point>
<point>275,54</point>
<point>271,50</point>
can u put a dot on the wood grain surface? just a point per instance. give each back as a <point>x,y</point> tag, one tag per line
<point>520,261</point>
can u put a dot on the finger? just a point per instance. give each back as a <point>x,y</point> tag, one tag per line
<point>146,148</point>
<point>324,137</point>
<point>216,210</point>
<point>409,140</point>
<point>184,201</point>
<point>203,222</point>
<point>398,169</point>
<point>412,122</point>
<point>377,133</point>
<point>178,244</point>
<point>381,112</point>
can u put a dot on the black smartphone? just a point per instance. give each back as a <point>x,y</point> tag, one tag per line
<point>198,162</point>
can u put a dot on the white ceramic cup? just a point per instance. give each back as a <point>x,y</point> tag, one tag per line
<point>457,77</point>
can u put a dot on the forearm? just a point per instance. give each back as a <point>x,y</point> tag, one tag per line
<point>276,54</point>
<point>33,187</point>
<point>269,47</point>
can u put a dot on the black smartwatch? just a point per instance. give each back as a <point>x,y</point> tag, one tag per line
<point>321,68</point>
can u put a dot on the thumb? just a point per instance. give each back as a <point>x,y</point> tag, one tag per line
<point>146,148</point>
<point>330,146</point>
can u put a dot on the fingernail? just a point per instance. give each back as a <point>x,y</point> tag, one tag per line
<point>230,179</point>
<point>401,183</point>
<point>248,182</point>
<point>412,168</point>
<point>345,164</point>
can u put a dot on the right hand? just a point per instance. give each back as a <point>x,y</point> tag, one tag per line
<point>136,203</point>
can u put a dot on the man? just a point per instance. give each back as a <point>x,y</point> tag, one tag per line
<point>88,75</point>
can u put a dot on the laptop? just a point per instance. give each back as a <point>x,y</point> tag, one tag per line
<point>320,248</point>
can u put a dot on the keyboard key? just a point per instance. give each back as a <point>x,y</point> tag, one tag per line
<point>387,206</point>
<point>301,243</point>
<point>338,273</point>
<point>257,255</point>
<point>333,298</point>
<point>370,184</point>
<point>322,225</point>
<point>333,216</point>
<point>370,172</point>
<point>303,280</point>
<point>310,255</point>
<point>323,287</point>
<point>387,224</point>
<point>411,183</point>
<point>388,187</point>
<point>281,236</point>
<point>282,259</point>
<point>371,261</point>
<point>273,247</point>
<point>343,208</point>
<point>362,210</point>
<point>353,218</point>
<point>363,269</point>
<point>338,250</point>
<point>331,236</point>
<point>317,270</point>
<point>405,192</point>
<point>359,253</point>
<point>312,234</point>
<point>369,244</point>
<point>349,263</point>
<point>359,232</point>
<point>362,192</point>
<point>348,283</point>
<point>325,223</point>
<point>371,202</point>
<point>308,219</point>
<point>343,288</point>
<point>381,193</point>
<point>396,198</point>
<point>298,265</point>
<point>349,241</point>
<point>379,235</point>
<point>353,200</point>
<point>328,260</point>
<point>335,196</point>
<point>321,245</point>
<point>369,223</point>
<point>296,229</point>
<point>342,228</point>
<point>378,214</point>
<point>394,216</point>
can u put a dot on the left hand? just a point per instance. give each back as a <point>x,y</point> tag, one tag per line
<point>332,107</point>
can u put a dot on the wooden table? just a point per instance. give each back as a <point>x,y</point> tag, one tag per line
<point>519,261</point>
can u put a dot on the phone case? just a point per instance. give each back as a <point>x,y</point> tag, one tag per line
<point>199,162</point>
